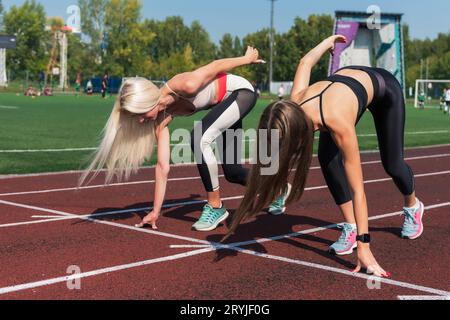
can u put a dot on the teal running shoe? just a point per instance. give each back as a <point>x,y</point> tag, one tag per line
<point>211,218</point>
<point>413,224</point>
<point>347,242</point>
<point>279,206</point>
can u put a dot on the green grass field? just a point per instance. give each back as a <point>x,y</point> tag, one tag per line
<point>70,122</point>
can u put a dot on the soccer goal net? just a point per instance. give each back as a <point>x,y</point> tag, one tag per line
<point>158,83</point>
<point>427,90</point>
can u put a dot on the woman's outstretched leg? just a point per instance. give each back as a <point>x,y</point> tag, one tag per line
<point>389,116</point>
<point>222,118</point>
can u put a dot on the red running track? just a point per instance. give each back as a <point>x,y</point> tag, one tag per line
<point>46,228</point>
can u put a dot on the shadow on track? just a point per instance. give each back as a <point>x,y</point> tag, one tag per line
<point>266,226</point>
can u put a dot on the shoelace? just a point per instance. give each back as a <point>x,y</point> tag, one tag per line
<point>409,217</point>
<point>279,203</point>
<point>347,230</point>
<point>209,215</point>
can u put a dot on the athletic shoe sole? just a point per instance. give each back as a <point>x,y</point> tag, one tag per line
<point>214,226</point>
<point>284,209</point>
<point>422,213</point>
<point>345,253</point>
<point>277,213</point>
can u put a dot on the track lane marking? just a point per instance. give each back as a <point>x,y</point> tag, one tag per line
<point>424,298</point>
<point>72,172</point>
<point>182,179</point>
<point>62,279</point>
<point>54,150</point>
<point>214,247</point>
<point>167,206</point>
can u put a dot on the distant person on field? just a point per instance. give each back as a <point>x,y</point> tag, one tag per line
<point>89,87</point>
<point>447,101</point>
<point>422,100</point>
<point>41,81</point>
<point>281,92</point>
<point>442,100</point>
<point>78,84</point>
<point>105,84</point>
<point>30,92</point>
<point>47,91</point>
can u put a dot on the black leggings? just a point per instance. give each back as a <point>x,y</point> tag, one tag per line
<point>388,110</point>
<point>220,125</point>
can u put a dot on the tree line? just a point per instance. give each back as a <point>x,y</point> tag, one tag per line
<point>116,38</point>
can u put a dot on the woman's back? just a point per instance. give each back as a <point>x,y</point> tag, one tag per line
<point>338,97</point>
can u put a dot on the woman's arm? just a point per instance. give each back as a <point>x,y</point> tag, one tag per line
<point>162,169</point>
<point>307,63</point>
<point>347,141</point>
<point>346,138</point>
<point>189,83</point>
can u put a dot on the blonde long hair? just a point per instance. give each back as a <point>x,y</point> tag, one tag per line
<point>126,143</point>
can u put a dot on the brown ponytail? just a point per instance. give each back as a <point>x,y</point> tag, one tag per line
<point>296,133</point>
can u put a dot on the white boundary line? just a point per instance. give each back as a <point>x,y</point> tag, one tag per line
<point>42,174</point>
<point>48,150</point>
<point>215,247</point>
<point>9,107</point>
<point>180,179</point>
<point>185,246</point>
<point>167,206</point>
<point>370,135</point>
<point>345,272</point>
<point>37,284</point>
<point>424,298</point>
<point>46,217</point>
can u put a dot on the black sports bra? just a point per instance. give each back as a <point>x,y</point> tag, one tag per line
<point>353,84</point>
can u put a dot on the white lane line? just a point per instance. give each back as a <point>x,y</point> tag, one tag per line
<point>168,206</point>
<point>96,215</point>
<point>9,107</point>
<point>185,246</point>
<point>26,223</point>
<point>46,217</point>
<point>424,298</point>
<point>180,179</point>
<point>215,246</point>
<point>408,133</point>
<point>370,135</point>
<point>101,186</point>
<point>48,150</point>
<point>72,172</point>
<point>387,179</point>
<point>70,216</point>
<point>345,272</point>
<point>62,279</point>
<point>444,155</point>
<point>331,226</point>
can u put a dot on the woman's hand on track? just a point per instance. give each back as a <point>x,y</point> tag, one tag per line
<point>149,220</point>
<point>252,56</point>
<point>367,261</point>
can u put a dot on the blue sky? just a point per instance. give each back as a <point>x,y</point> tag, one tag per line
<point>240,17</point>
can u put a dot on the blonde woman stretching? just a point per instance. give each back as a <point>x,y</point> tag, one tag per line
<point>141,116</point>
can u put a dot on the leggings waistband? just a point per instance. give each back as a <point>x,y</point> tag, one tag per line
<point>379,83</point>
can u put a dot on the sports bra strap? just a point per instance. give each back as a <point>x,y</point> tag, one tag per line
<point>320,95</point>
<point>168,87</point>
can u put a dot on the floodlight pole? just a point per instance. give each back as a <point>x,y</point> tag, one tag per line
<point>63,43</point>
<point>272,13</point>
<point>3,76</point>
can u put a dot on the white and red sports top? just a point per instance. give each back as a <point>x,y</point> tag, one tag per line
<point>217,91</point>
